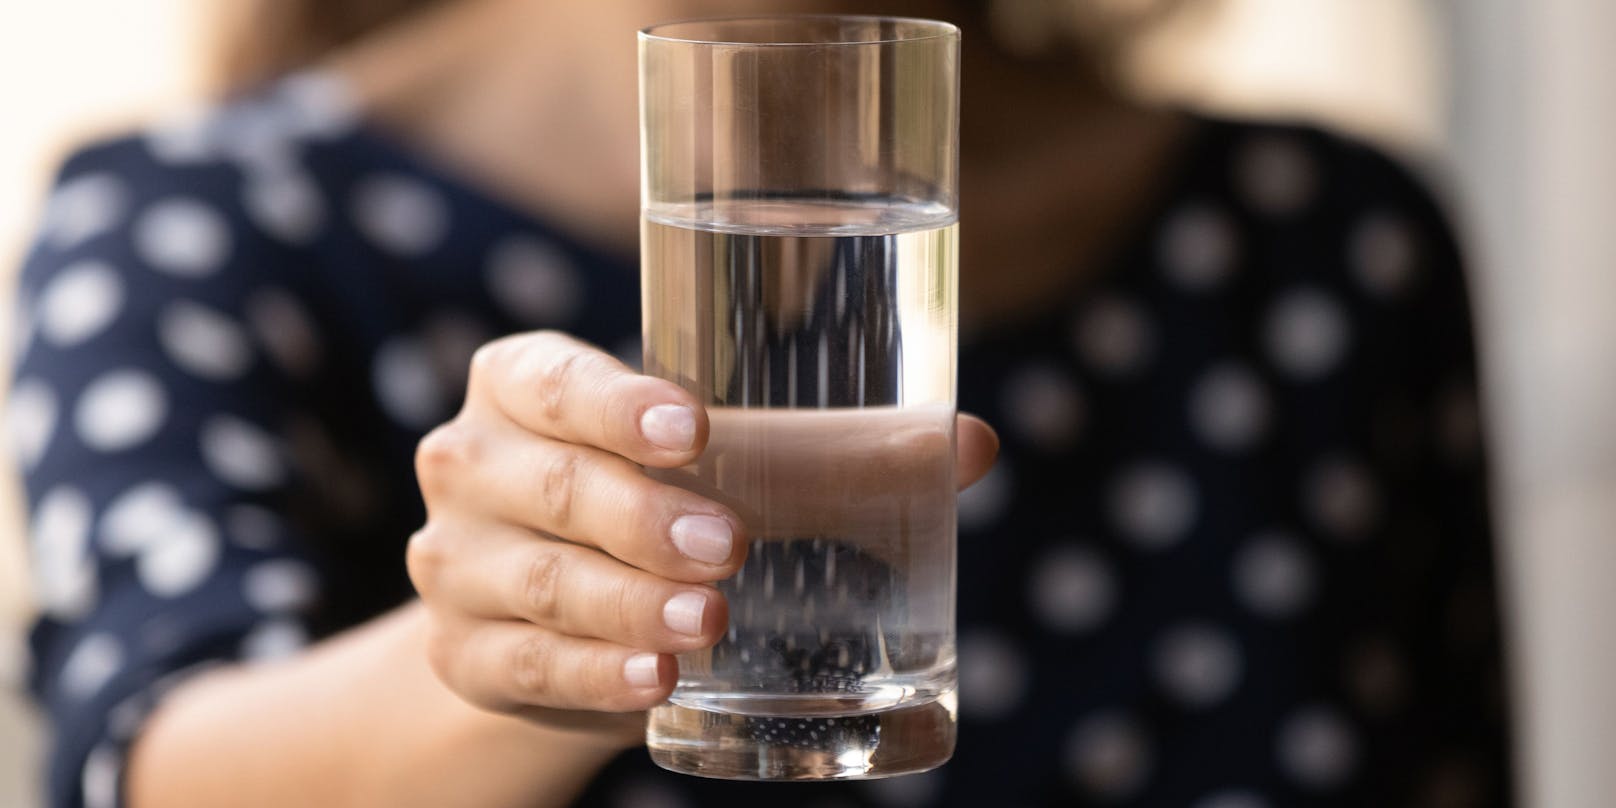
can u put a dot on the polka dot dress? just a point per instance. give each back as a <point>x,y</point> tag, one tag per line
<point>1235,553</point>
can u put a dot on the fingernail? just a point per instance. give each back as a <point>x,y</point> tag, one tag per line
<point>641,671</point>
<point>669,426</point>
<point>703,538</point>
<point>682,612</point>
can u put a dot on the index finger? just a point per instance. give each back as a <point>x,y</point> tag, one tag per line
<point>554,385</point>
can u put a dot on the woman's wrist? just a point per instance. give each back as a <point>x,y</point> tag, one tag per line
<point>591,744</point>
<point>523,763</point>
<point>358,719</point>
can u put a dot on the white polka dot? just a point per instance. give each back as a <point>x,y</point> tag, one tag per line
<point>1342,498</point>
<point>1317,749</point>
<point>64,573</point>
<point>1072,590</point>
<point>1229,408</point>
<point>90,665</point>
<point>183,237</point>
<point>284,204</point>
<point>102,769</point>
<point>31,417</point>
<point>254,137</point>
<point>993,675</point>
<point>282,585</point>
<point>285,329</point>
<point>406,385</point>
<point>534,282</point>
<point>1377,677</point>
<point>909,791</point>
<point>253,526</point>
<point>79,302</point>
<point>82,208</point>
<point>1197,248</point>
<point>1306,334</point>
<point>400,215</point>
<point>1239,798</point>
<point>1276,175</point>
<point>1113,337</point>
<point>140,517</point>
<point>1153,505</point>
<point>1108,755</point>
<point>180,560</point>
<point>983,503</point>
<point>1043,406</point>
<point>241,454</point>
<point>119,410</point>
<point>1382,254</point>
<point>186,138</point>
<point>272,640</point>
<point>202,341</point>
<point>1198,665</point>
<point>1273,576</point>
<point>317,104</point>
<point>647,794</point>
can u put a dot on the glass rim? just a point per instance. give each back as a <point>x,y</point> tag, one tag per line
<point>932,30</point>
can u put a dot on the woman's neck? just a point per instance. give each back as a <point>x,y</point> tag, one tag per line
<point>536,102</point>
<point>526,99</point>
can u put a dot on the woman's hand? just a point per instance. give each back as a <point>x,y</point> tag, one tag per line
<point>558,577</point>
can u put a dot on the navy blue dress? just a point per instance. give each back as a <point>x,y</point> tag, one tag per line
<point>1236,553</point>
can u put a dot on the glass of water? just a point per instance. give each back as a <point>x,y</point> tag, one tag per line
<point>799,208</point>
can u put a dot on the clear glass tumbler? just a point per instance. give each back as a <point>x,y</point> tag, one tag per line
<point>799,205</point>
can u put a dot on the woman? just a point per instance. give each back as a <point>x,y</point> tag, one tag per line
<point>1235,552</point>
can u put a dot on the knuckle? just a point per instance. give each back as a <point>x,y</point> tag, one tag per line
<point>652,513</point>
<point>531,666</point>
<point>425,558</point>
<point>557,380</point>
<point>442,453</point>
<point>541,589</point>
<point>558,481</point>
<point>627,605</point>
<point>485,363</point>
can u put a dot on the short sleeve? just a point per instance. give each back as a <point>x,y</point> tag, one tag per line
<point>158,368</point>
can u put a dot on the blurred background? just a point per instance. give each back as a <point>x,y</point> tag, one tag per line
<point>1507,106</point>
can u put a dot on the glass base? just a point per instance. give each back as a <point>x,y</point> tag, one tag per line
<point>903,740</point>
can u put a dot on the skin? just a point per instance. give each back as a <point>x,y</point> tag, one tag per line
<point>526,662</point>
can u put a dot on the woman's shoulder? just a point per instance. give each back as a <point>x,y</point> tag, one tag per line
<point>184,192</point>
<point>1302,194</point>
<point>257,131</point>
<point>1286,169</point>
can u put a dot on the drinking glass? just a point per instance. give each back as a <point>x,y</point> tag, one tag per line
<point>799,208</point>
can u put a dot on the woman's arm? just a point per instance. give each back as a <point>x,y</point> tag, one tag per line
<point>178,520</point>
<point>357,720</point>
<point>553,631</point>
